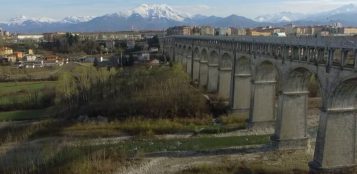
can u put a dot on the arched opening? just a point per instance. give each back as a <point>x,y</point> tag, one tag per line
<point>242,85</point>
<point>295,101</point>
<point>213,72</point>
<point>264,103</point>
<point>203,77</point>
<point>196,65</point>
<point>225,77</point>
<point>336,139</point>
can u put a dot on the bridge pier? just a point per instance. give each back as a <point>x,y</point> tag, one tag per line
<point>335,149</point>
<point>212,78</point>
<point>184,62</point>
<point>290,131</point>
<point>189,65</point>
<point>263,105</point>
<point>224,85</point>
<point>242,92</point>
<point>203,73</point>
<point>196,69</point>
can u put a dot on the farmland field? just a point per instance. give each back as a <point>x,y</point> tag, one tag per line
<point>17,92</point>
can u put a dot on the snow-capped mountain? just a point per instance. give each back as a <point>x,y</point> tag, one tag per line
<point>157,11</point>
<point>345,14</point>
<point>22,19</point>
<point>280,17</point>
<point>76,19</point>
<point>161,16</point>
<point>350,8</point>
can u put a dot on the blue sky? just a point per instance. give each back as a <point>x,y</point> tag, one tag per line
<point>58,9</point>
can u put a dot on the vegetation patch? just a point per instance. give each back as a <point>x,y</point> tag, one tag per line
<point>267,163</point>
<point>64,159</point>
<point>24,115</point>
<point>191,144</point>
<point>153,92</point>
<point>26,95</point>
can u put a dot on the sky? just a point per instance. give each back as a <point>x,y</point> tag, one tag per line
<point>58,9</point>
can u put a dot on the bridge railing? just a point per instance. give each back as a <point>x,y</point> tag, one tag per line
<point>332,42</point>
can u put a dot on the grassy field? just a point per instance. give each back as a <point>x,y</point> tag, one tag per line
<point>17,92</point>
<point>191,144</point>
<point>24,115</point>
<point>7,88</point>
<point>8,73</point>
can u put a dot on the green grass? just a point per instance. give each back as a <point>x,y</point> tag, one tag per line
<point>191,144</point>
<point>24,115</point>
<point>18,87</point>
<point>149,127</point>
<point>15,93</point>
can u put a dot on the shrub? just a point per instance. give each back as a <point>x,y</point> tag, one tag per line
<point>158,92</point>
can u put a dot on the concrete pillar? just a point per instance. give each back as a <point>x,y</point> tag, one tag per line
<point>178,58</point>
<point>184,62</point>
<point>189,65</point>
<point>263,105</point>
<point>224,84</point>
<point>196,69</point>
<point>212,78</point>
<point>335,149</point>
<point>203,73</point>
<point>355,60</point>
<point>290,130</point>
<point>242,92</point>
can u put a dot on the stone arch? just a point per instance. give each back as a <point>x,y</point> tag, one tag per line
<point>196,52</point>
<point>213,58</point>
<point>242,85</point>
<point>213,73</point>
<point>297,80</point>
<point>203,74</point>
<point>266,71</point>
<point>226,61</point>
<point>336,139</point>
<point>344,95</point>
<point>204,55</point>
<point>243,66</point>
<point>225,77</point>
<point>291,128</point>
<point>196,64</point>
<point>263,102</point>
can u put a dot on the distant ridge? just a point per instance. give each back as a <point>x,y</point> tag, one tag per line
<point>161,16</point>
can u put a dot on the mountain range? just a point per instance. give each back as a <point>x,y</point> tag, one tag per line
<point>161,16</point>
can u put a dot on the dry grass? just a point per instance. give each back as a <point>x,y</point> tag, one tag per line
<point>58,159</point>
<point>267,163</point>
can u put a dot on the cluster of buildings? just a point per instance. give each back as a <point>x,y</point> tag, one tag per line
<point>96,36</point>
<point>28,59</point>
<point>4,34</point>
<point>335,29</point>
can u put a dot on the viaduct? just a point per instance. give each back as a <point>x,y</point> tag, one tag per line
<point>268,77</point>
